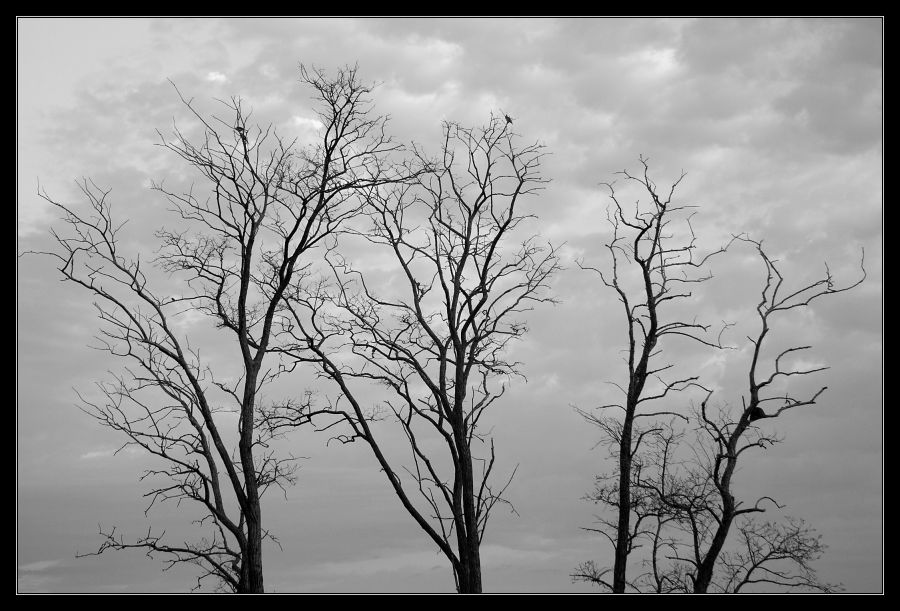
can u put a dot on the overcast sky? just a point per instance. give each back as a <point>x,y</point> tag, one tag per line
<point>778,124</point>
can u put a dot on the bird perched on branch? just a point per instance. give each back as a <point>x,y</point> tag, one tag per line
<point>756,413</point>
<point>508,120</point>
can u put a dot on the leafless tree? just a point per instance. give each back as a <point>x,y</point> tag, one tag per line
<point>437,345</point>
<point>777,554</point>
<point>652,521</point>
<point>731,437</point>
<point>685,479</point>
<point>653,264</point>
<point>683,512</point>
<point>244,240</point>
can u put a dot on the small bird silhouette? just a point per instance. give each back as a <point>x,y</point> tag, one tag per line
<point>508,120</point>
<point>756,413</point>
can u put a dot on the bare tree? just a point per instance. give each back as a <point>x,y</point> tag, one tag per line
<point>685,480</point>
<point>683,511</point>
<point>663,264</point>
<point>242,242</point>
<point>652,521</point>
<point>729,437</point>
<point>437,345</point>
<point>777,554</point>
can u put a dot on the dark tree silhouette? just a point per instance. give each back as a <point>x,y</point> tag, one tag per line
<point>777,554</point>
<point>436,345</point>
<point>652,265</point>
<point>683,482</point>
<point>731,437</point>
<point>244,241</point>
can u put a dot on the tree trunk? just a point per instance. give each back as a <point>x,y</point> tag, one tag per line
<point>624,525</point>
<point>705,570</point>
<point>470,573</point>
<point>706,567</point>
<point>470,552</point>
<point>252,561</point>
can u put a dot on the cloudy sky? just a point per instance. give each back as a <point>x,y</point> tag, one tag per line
<point>778,124</point>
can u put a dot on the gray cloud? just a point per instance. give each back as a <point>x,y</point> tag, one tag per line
<point>777,122</point>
